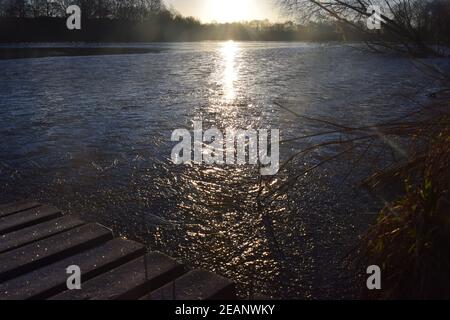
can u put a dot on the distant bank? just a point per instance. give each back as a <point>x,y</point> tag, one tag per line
<point>166,29</point>
<point>42,52</point>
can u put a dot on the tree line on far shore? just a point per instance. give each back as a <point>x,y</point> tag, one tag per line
<point>113,9</point>
<point>423,23</point>
<point>145,21</point>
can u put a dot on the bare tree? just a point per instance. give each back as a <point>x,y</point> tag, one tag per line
<point>122,9</point>
<point>13,8</point>
<point>406,23</point>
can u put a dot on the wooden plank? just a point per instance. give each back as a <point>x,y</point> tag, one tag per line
<point>130,281</point>
<point>4,205</point>
<point>11,208</point>
<point>50,280</point>
<point>37,254</point>
<point>37,232</point>
<point>196,285</point>
<point>27,218</point>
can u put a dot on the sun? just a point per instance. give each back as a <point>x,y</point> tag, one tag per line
<point>228,10</point>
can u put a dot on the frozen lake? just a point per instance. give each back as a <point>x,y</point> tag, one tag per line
<point>91,135</point>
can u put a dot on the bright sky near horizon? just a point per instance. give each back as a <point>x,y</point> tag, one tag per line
<point>227,10</point>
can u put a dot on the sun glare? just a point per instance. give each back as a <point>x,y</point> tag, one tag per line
<point>229,50</point>
<point>229,10</point>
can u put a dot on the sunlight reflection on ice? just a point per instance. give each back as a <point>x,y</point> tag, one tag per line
<point>229,51</point>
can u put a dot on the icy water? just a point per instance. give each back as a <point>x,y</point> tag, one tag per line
<point>91,135</point>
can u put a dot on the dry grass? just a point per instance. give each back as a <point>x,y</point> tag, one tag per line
<point>411,238</point>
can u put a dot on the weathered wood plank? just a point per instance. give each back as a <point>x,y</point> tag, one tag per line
<point>37,232</point>
<point>37,254</point>
<point>196,285</point>
<point>11,208</point>
<point>130,281</point>
<point>51,280</point>
<point>27,218</point>
<point>37,246</point>
<point>4,205</point>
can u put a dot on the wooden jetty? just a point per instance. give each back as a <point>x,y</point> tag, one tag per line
<point>38,243</point>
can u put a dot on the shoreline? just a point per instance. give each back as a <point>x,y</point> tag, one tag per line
<point>45,52</point>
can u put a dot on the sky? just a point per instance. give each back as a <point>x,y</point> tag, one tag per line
<point>227,10</point>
